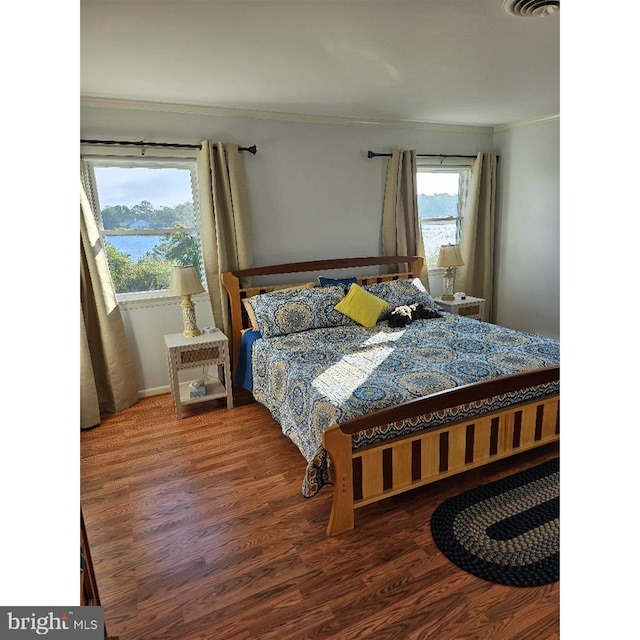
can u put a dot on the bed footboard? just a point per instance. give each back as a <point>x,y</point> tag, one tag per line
<point>369,474</point>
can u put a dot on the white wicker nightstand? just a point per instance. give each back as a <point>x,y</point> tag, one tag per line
<point>470,307</point>
<point>203,351</point>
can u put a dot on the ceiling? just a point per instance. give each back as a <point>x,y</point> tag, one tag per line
<point>434,61</point>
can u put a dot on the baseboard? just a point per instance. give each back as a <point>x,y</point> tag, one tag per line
<point>146,393</point>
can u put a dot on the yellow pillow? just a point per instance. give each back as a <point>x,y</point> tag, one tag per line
<point>362,306</point>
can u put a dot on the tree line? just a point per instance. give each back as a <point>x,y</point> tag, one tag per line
<point>439,205</point>
<point>122,217</point>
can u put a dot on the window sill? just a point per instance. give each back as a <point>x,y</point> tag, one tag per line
<point>154,299</point>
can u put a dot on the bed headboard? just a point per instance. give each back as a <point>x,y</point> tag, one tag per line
<point>407,267</point>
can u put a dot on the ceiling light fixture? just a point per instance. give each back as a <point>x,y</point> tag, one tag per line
<point>531,8</point>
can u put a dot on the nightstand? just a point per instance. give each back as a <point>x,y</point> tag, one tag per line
<point>203,351</point>
<point>470,307</point>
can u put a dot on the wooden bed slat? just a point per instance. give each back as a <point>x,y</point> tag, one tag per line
<point>482,437</point>
<point>457,447</point>
<point>430,455</point>
<point>528,428</point>
<point>549,420</point>
<point>402,456</point>
<point>372,474</point>
<point>505,433</point>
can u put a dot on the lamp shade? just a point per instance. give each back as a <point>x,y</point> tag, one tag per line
<point>450,256</point>
<point>184,281</point>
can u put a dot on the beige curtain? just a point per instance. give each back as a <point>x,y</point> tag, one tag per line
<point>107,375</point>
<point>478,205</point>
<point>225,220</point>
<point>401,233</point>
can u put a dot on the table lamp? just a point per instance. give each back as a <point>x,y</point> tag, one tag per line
<point>185,282</point>
<point>448,257</point>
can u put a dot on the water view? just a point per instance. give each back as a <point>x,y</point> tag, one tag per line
<point>135,246</point>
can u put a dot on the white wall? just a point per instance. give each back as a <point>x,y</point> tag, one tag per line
<point>314,194</point>
<point>146,323</point>
<point>527,291</point>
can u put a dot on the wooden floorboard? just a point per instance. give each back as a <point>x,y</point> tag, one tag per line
<point>198,531</point>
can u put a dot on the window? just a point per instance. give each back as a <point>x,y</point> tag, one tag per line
<point>148,219</point>
<point>439,207</point>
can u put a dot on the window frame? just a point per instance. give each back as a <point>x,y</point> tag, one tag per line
<point>89,162</point>
<point>425,165</point>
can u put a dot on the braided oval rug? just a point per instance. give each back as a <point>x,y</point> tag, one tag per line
<point>507,531</point>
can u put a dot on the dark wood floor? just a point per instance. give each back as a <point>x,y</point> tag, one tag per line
<point>198,531</point>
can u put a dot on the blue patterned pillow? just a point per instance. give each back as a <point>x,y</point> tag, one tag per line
<point>345,283</point>
<point>401,292</point>
<point>281,312</point>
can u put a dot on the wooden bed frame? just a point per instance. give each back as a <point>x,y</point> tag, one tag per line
<point>368,474</point>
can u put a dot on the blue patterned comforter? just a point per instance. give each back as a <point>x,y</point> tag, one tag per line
<point>316,378</point>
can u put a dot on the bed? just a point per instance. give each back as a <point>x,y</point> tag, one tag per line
<point>376,409</point>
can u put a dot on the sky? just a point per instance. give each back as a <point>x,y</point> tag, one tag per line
<point>436,182</point>
<point>130,186</point>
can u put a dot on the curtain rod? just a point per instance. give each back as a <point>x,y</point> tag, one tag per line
<point>373,154</point>
<point>167,145</point>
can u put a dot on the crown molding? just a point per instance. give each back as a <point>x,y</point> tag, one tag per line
<point>525,123</point>
<point>96,102</point>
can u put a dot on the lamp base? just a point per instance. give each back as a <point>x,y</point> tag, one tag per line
<point>447,285</point>
<point>189,318</point>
